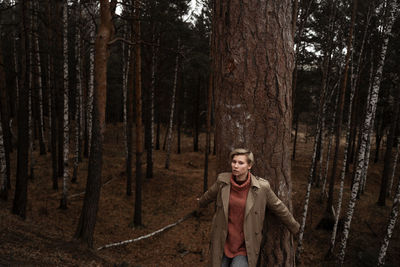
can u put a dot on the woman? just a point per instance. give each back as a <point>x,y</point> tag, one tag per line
<point>241,200</point>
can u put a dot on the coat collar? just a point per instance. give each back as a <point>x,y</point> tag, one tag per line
<point>251,196</point>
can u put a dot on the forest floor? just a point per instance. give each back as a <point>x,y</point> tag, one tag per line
<point>45,237</point>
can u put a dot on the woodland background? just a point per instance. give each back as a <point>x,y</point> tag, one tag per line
<point>88,87</point>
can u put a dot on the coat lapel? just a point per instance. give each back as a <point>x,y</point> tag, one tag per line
<point>252,195</point>
<point>225,191</point>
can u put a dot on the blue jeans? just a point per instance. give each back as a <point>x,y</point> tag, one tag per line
<point>238,261</point>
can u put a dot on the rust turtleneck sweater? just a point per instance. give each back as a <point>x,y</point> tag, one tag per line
<point>235,244</point>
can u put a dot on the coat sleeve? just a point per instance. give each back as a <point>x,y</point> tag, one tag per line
<point>275,205</point>
<point>210,195</point>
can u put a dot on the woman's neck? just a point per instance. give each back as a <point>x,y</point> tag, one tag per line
<point>241,179</point>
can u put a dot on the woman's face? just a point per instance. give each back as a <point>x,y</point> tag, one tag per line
<point>240,167</point>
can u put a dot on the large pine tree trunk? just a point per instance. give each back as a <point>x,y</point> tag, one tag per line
<point>87,220</point>
<point>21,187</point>
<point>371,108</point>
<point>253,114</point>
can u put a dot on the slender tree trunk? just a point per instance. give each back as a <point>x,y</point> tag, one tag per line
<point>53,124</point>
<point>129,111</point>
<point>89,107</point>
<point>3,151</point>
<point>137,218</point>
<point>348,136</point>
<point>64,198</point>
<point>388,165</point>
<point>31,86</point>
<point>240,118</point>
<point>394,164</point>
<point>87,220</point>
<point>150,146</point>
<point>390,227</point>
<point>196,111</point>
<point>78,97</point>
<point>21,187</point>
<point>158,133</point>
<point>328,211</point>
<point>296,128</point>
<point>39,82</point>
<point>125,74</point>
<point>171,115</point>
<point>393,12</point>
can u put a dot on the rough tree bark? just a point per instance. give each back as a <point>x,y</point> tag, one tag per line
<point>253,65</point>
<point>87,220</point>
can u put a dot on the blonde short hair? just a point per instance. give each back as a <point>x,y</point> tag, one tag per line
<point>243,151</point>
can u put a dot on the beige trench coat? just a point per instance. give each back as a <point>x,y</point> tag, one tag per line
<point>260,196</point>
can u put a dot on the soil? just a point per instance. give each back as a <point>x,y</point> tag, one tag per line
<point>45,238</point>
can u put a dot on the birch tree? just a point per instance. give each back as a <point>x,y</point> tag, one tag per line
<point>371,107</point>
<point>348,133</point>
<point>328,211</point>
<point>390,227</point>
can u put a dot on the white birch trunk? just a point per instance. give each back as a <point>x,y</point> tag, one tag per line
<point>354,82</point>
<point>393,9</point>
<point>390,227</point>
<point>171,115</point>
<point>395,158</point>
<point>63,204</point>
<point>78,97</point>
